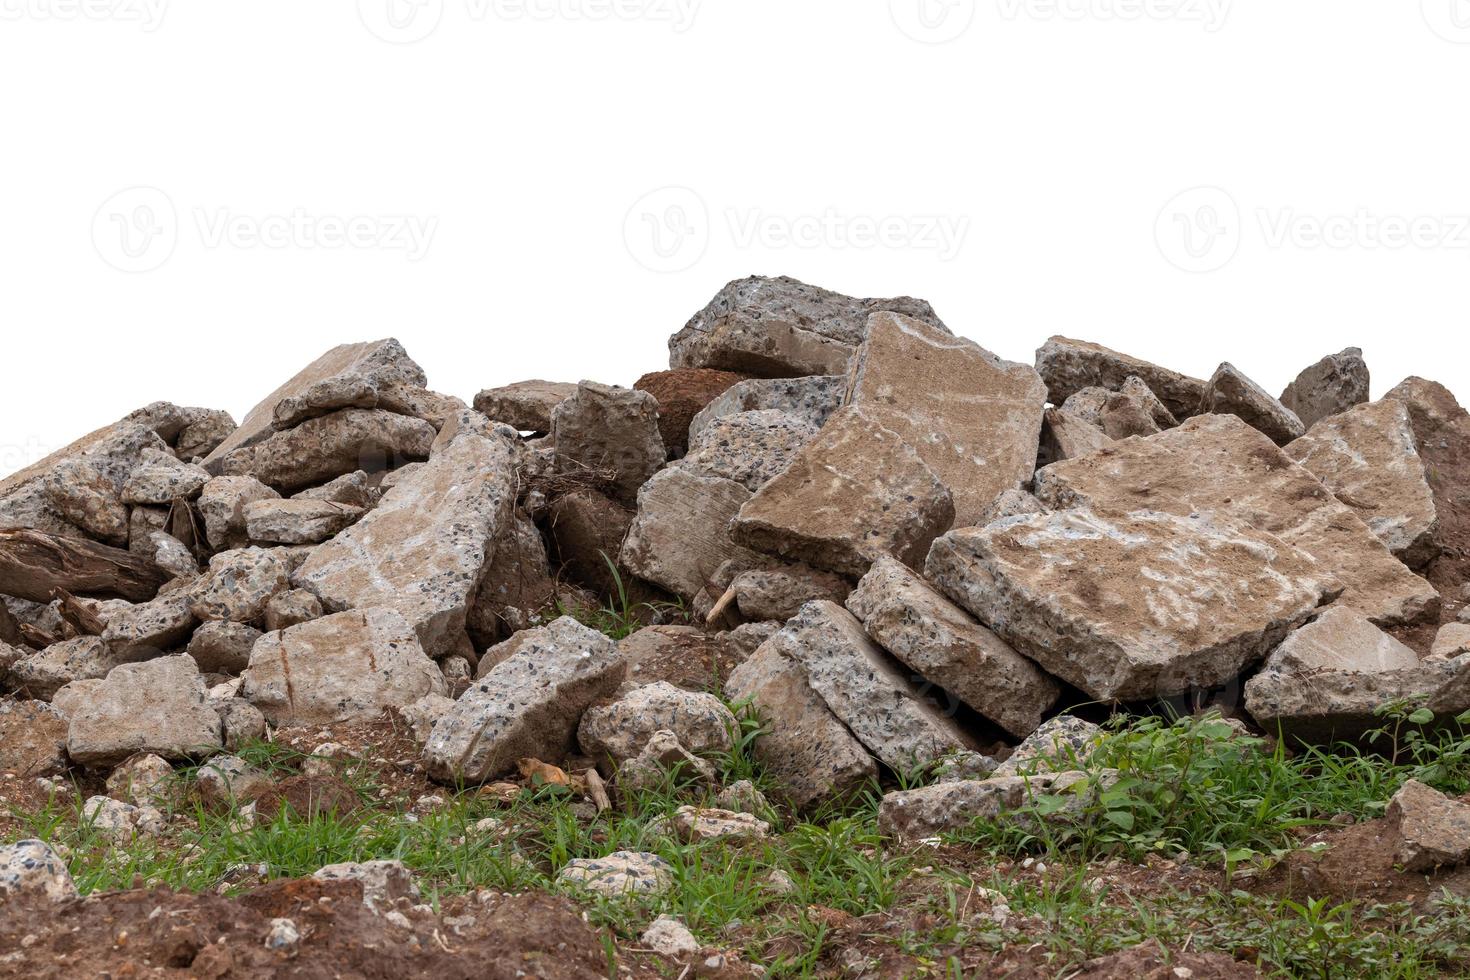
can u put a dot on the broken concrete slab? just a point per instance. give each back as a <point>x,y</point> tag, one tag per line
<point>383,361</point>
<point>1367,457</point>
<point>681,535</point>
<point>1065,435</point>
<point>779,327</point>
<point>853,494</point>
<point>346,667</point>
<point>1067,366</point>
<point>1131,606</point>
<point>621,729</point>
<point>1431,830</point>
<point>973,418</point>
<point>1452,640</point>
<point>525,405</point>
<point>929,811</point>
<point>239,584</point>
<point>1344,640</point>
<point>422,551</point>
<point>602,428</point>
<point>751,448</point>
<point>328,446</point>
<point>527,706</point>
<point>811,400</point>
<point>158,706</point>
<point>297,521</point>
<point>903,722</point>
<point>807,752</point>
<point>1218,464</point>
<point>1331,386</point>
<point>222,505</point>
<point>32,739</point>
<point>941,643</point>
<point>1230,392</point>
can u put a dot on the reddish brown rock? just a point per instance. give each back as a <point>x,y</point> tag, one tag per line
<point>681,395</point>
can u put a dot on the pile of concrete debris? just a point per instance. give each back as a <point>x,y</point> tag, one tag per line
<point>904,552</point>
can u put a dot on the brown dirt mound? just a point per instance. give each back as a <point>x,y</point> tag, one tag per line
<point>308,797</point>
<point>166,934</point>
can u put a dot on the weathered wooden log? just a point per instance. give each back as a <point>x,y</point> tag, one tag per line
<point>9,628</point>
<point>81,618</point>
<point>33,564</point>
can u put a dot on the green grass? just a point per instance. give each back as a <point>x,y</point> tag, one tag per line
<point>1192,786</point>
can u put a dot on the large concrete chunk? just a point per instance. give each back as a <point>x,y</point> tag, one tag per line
<point>681,535</point>
<point>302,521</point>
<point>1218,464</point>
<point>1329,678</point>
<point>778,328</point>
<point>1131,606</point>
<point>423,549</point>
<point>347,667</point>
<point>159,706</point>
<point>812,400</point>
<point>1230,392</point>
<point>1067,366</point>
<point>881,702</point>
<point>1367,458</point>
<point>805,749</point>
<point>1332,385</point>
<point>622,729</point>
<point>1431,830</point>
<point>603,428</point>
<point>383,361</point>
<point>329,446</point>
<point>973,418</point>
<point>528,706</point>
<point>928,811</point>
<point>932,636</point>
<point>525,405</point>
<point>1065,435</point>
<point>853,494</point>
<point>751,448</point>
<point>77,490</point>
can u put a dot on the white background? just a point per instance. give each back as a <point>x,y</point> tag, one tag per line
<point>1056,143</point>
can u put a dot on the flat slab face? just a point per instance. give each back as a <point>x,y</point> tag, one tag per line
<point>1216,464</point>
<point>422,550</point>
<point>527,706</point>
<point>973,418</point>
<point>853,494</point>
<point>1367,458</point>
<point>339,668</point>
<point>875,696</point>
<point>1230,392</point>
<point>1067,366</point>
<point>1134,606</point>
<point>779,327</point>
<point>809,754</point>
<point>159,706</point>
<point>383,360</point>
<point>526,405</point>
<point>681,535</point>
<point>1341,639</point>
<point>938,640</point>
